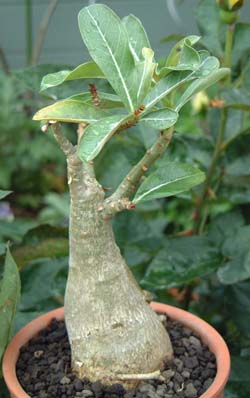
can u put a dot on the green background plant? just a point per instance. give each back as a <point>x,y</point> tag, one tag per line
<point>158,237</point>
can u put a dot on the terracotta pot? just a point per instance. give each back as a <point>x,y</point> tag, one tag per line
<point>207,333</point>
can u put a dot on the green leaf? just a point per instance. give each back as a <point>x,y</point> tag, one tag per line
<point>133,228</point>
<point>237,305</point>
<point>244,77</point>
<point>3,194</point>
<point>15,229</point>
<point>137,36</point>
<point>236,249</point>
<point>107,41</point>
<point>97,135</point>
<point>107,100</point>
<point>47,248</point>
<point>180,261</point>
<point>235,270</point>
<point>234,128</point>
<point>49,294</point>
<point>23,318</point>
<point>172,37</point>
<point>113,164</point>
<point>9,299</point>
<point>44,241</point>
<point>207,66</point>
<point>170,179</point>
<point>144,73</point>
<point>142,53</point>
<point>182,57</point>
<point>224,226</point>
<point>241,41</point>
<point>83,71</point>
<point>201,84</point>
<point>239,167</point>
<point>180,52</point>
<point>240,368</point>
<point>165,86</point>
<point>71,111</point>
<point>237,99</point>
<point>189,58</point>
<point>161,119</point>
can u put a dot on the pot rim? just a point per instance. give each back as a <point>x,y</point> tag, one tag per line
<point>206,332</point>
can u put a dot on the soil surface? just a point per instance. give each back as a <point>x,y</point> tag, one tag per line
<point>44,371</point>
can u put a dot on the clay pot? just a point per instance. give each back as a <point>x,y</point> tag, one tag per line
<point>207,333</point>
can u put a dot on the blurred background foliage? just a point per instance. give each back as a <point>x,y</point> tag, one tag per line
<point>192,250</point>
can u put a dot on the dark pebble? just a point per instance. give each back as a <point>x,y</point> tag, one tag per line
<point>116,389</point>
<point>78,385</point>
<point>191,363</point>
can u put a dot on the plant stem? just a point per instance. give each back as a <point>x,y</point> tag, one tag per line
<point>219,146</point>
<point>216,155</point>
<point>4,62</point>
<point>63,142</point>
<point>28,31</point>
<point>42,31</point>
<point>200,220</point>
<point>229,46</point>
<point>228,49</point>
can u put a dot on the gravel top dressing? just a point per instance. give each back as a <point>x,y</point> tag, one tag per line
<point>44,369</point>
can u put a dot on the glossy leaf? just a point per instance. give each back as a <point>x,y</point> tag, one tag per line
<point>170,179</point>
<point>97,135</point>
<point>224,226</point>
<point>113,162</point>
<point>3,194</point>
<point>240,368</point>
<point>16,229</point>
<point>9,299</point>
<point>137,36</point>
<point>50,247</point>
<point>236,249</point>
<point>234,129</point>
<point>83,71</point>
<point>237,99</point>
<point>109,48</point>
<point>49,294</point>
<point>201,84</point>
<point>241,41</point>
<point>72,111</point>
<point>180,261</point>
<point>235,270</point>
<point>239,167</point>
<point>237,305</point>
<point>161,119</point>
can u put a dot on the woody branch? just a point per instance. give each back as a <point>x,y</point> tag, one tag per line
<point>62,141</point>
<point>120,199</point>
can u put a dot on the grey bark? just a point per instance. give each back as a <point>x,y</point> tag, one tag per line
<point>112,330</point>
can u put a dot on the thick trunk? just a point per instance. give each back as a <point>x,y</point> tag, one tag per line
<point>111,328</point>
